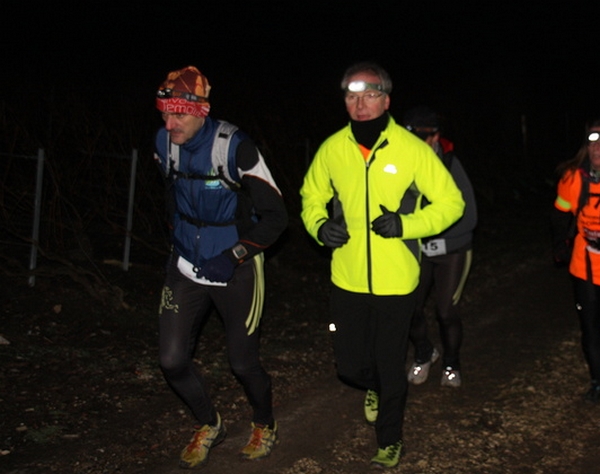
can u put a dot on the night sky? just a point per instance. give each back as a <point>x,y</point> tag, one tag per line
<point>484,67</point>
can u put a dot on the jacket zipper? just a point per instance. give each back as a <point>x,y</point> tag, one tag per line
<point>369,259</point>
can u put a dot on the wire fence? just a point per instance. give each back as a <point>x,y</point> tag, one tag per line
<point>16,193</point>
<point>76,208</point>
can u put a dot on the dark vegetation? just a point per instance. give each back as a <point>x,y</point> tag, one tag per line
<point>88,140</point>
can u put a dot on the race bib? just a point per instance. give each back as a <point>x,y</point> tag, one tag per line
<point>434,247</point>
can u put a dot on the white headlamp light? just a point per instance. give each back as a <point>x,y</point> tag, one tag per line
<point>361,86</point>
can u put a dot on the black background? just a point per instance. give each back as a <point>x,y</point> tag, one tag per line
<point>489,69</point>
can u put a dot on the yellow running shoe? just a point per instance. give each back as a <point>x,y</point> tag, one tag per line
<point>387,457</point>
<point>371,406</point>
<point>260,443</point>
<point>195,454</point>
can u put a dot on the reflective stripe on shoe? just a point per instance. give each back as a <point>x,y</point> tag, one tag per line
<point>371,406</point>
<point>451,378</point>
<point>418,373</point>
<point>195,454</point>
<point>261,442</point>
<point>387,457</point>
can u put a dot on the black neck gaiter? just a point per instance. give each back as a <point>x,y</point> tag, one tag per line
<point>367,132</point>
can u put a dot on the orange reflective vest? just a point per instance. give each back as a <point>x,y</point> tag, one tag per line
<point>585,259</point>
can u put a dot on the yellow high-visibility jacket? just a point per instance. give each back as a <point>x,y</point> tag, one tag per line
<point>400,169</point>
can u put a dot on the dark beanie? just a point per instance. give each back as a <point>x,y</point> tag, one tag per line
<point>421,117</point>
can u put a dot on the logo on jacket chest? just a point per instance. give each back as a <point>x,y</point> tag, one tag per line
<point>213,183</point>
<point>390,168</point>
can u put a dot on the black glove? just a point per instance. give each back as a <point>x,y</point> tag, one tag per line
<point>388,224</point>
<point>563,226</point>
<point>218,269</point>
<point>332,234</point>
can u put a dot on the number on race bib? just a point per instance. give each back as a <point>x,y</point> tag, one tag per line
<point>434,247</point>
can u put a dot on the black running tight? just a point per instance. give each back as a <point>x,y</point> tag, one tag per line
<point>446,274</point>
<point>587,304</point>
<point>184,308</point>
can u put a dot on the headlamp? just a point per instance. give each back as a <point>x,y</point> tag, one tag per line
<point>361,86</point>
<point>593,137</point>
<point>170,93</point>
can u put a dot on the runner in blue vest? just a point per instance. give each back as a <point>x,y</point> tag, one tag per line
<point>225,211</point>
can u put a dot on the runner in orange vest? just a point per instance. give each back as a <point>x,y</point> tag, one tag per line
<point>576,242</point>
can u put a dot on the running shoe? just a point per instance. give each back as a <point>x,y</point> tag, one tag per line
<point>451,378</point>
<point>387,457</point>
<point>418,372</point>
<point>371,406</point>
<point>195,454</point>
<point>261,442</point>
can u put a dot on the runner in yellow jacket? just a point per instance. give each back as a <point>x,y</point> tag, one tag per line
<point>397,171</point>
<point>376,173</point>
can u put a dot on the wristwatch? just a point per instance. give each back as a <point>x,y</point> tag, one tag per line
<point>239,251</point>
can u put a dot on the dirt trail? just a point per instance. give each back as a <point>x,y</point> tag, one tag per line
<point>307,430</point>
<point>512,328</point>
<point>519,411</point>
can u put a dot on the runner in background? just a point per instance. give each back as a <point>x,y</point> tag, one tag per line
<point>445,264</point>
<point>576,242</point>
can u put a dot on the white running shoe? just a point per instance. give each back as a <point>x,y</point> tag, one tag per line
<point>418,373</point>
<point>451,378</point>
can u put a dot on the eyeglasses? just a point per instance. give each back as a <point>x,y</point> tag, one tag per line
<point>593,137</point>
<point>169,93</point>
<point>368,98</point>
<point>422,133</point>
